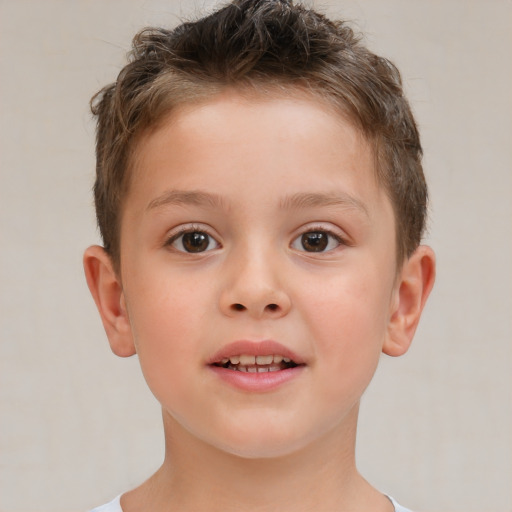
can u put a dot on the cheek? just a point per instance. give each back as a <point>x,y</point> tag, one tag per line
<point>165,319</point>
<point>348,308</point>
<point>348,322</point>
<point>164,305</point>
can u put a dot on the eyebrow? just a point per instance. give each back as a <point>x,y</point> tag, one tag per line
<point>311,200</point>
<point>296,201</point>
<point>184,197</point>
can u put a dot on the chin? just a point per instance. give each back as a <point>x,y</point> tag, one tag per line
<point>256,451</point>
<point>262,443</point>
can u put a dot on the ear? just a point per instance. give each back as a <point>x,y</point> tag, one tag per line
<point>412,289</point>
<point>106,289</point>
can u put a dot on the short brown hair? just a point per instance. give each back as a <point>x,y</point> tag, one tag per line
<point>259,44</point>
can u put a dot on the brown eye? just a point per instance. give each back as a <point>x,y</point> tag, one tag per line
<point>316,241</point>
<point>194,242</point>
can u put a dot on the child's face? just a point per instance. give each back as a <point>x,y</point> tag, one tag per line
<point>256,227</point>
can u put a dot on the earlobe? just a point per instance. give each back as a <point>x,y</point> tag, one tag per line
<point>108,295</point>
<point>412,290</point>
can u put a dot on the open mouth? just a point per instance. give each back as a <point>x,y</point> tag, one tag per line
<point>256,364</point>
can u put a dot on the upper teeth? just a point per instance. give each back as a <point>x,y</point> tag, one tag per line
<point>246,359</point>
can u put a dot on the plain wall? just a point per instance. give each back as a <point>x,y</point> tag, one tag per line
<point>78,426</point>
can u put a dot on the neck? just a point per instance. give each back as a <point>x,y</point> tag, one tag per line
<point>198,476</point>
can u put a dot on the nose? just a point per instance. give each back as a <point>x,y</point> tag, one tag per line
<point>254,286</point>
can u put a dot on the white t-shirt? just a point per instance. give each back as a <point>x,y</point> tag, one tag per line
<point>115,506</point>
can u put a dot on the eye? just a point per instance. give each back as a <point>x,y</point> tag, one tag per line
<point>317,241</point>
<point>193,241</point>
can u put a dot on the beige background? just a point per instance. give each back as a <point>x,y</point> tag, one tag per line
<point>78,425</point>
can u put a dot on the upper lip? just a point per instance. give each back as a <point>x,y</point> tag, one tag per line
<point>255,348</point>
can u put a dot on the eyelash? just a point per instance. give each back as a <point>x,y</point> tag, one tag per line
<point>324,231</point>
<point>175,237</point>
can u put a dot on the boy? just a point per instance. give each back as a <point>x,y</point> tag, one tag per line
<point>261,201</point>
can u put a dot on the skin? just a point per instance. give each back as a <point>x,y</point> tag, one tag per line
<point>253,175</point>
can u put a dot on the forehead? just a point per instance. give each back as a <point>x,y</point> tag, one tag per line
<point>296,106</point>
<point>295,144</point>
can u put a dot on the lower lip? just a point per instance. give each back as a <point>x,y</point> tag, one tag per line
<point>257,382</point>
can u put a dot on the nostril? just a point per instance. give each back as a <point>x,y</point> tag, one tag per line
<point>268,308</point>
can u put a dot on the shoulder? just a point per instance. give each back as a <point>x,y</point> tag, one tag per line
<point>398,508</point>
<point>113,506</point>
